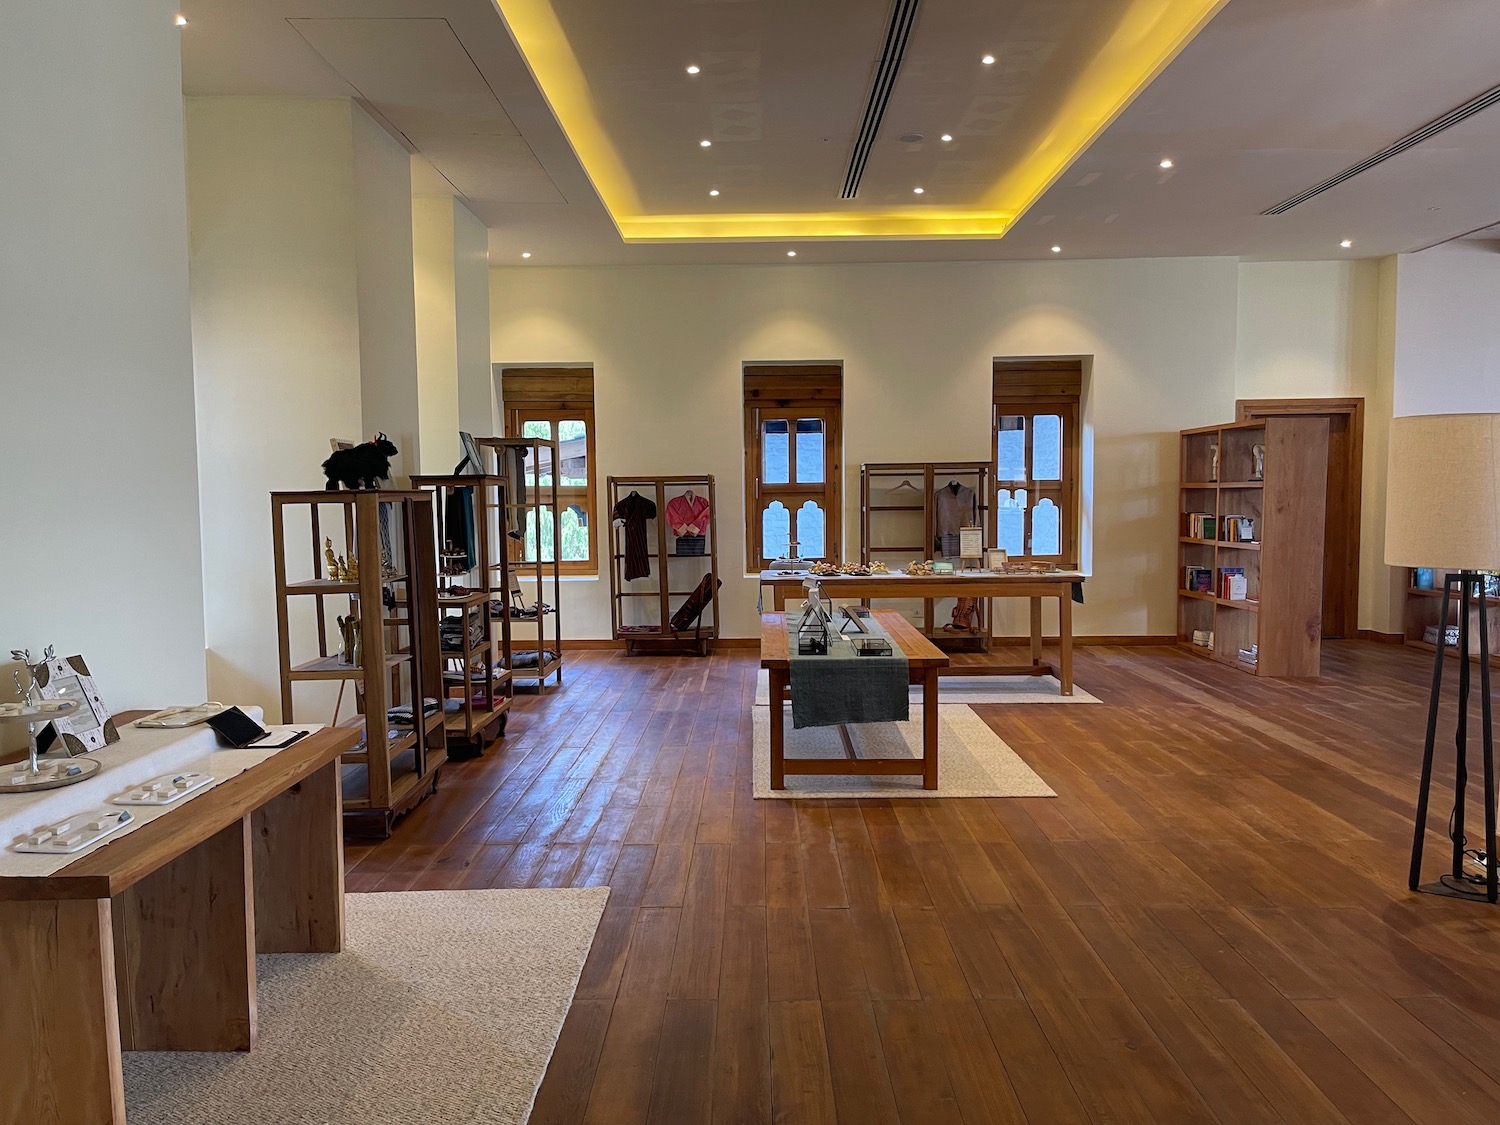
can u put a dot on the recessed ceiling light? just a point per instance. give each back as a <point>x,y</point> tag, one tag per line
<point>911,138</point>
<point>791,253</point>
<point>1057,249</point>
<point>181,20</point>
<point>1348,242</point>
<point>918,191</point>
<point>947,137</point>
<point>692,70</point>
<point>713,191</point>
<point>1166,163</point>
<point>525,253</point>
<point>988,60</point>
<point>705,144</point>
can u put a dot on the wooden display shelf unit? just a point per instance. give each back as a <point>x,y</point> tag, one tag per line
<point>1424,608</point>
<point>388,534</point>
<point>658,636</point>
<point>477,674</point>
<point>526,468</point>
<point>1280,619</point>
<point>887,537</point>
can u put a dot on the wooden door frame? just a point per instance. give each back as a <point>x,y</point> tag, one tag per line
<point>1249,409</point>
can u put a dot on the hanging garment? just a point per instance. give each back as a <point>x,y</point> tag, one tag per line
<point>634,510</point>
<point>458,524</point>
<point>954,506</point>
<point>515,486</point>
<point>688,514</point>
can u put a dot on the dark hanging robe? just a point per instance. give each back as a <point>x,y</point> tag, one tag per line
<point>635,510</point>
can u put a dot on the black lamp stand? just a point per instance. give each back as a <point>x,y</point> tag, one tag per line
<point>1455,885</point>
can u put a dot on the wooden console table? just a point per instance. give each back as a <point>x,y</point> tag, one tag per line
<point>149,943</point>
<point>1060,585</point>
<point>923,659</point>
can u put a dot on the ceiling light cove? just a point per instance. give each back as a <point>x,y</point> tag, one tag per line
<point>632,153</point>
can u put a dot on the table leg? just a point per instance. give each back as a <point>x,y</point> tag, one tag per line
<point>185,950</point>
<point>58,1018</point>
<point>299,867</point>
<point>1065,639</point>
<point>930,728</point>
<point>778,679</point>
<point>1036,631</point>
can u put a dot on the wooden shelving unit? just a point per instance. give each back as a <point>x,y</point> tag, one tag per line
<point>389,535</point>
<point>530,498</point>
<point>1424,608</point>
<point>1281,616</point>
<point>645,625</point>
<point>898,524</point>
<point>477,673</point>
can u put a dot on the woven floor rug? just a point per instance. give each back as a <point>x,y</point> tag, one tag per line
<point>974,689</point>
<point>973,761</point>
<point>444,1007</point>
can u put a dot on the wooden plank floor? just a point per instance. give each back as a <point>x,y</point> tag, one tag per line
<point>1209,924</point>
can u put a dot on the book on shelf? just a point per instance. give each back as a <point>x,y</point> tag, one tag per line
<point>1198,579</point>
<point>1203,638</point>
<point>1233,584</point>
<point>1199,525</point>
<point>1239,529</point>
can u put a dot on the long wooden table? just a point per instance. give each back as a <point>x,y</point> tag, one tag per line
<point>788,587</point>
<point>923,659</point>
<point>149,943</point>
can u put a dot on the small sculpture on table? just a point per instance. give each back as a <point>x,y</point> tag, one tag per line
<point>36,712</point>
<point>350,644</point>
<point>1213,469</point>
<point>338,569</point>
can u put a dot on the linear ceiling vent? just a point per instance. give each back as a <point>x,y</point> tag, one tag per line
<point>903,18</point>
<point>1415,137</point>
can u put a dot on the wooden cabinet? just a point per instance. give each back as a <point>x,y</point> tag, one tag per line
<point>1251,503</point>
<point>388,536</point>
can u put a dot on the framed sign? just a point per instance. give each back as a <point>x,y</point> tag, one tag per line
<point>88,728</point>
<point>998,560</point>
<point>971,544</point>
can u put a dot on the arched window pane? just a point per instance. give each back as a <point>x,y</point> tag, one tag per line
<point>810,538</point>
<point>1044,529</point>
<point>1010,521</point>
<point>775,530</point>
<point>809,451</point>
<point>776,453</point>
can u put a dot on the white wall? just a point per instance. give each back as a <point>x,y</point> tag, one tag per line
<point>98,462</point>
<point>387,318</point>
<point>276,341</point>
<point>1314,330</point>
<point>478,405</point>
<point>917,343</point>
<point>437,333</point>
<point>1447,353</point>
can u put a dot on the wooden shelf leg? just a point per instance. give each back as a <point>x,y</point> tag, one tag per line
<point>1036,632</point>
<point>930,728</point>
<point>58,1016</point>
<point>1065,639</point>
<point>185,950</point>
<point>299,867</point>
<point>778,679</point>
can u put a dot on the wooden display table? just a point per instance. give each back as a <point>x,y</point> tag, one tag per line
<point>149,943</point>
<point>923,658</point>
<point>981,584</point>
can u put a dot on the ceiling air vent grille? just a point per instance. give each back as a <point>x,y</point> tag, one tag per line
<point>1415,137</point>
<point>887,68</point>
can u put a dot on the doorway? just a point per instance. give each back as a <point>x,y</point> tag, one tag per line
<point>1346,451</point>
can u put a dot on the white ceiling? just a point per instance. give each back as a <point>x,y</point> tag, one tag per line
<point>1271,98</point>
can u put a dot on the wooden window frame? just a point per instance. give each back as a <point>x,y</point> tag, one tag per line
<point>578,408</point>
<point>771,392</point>
<point>1026,390</point>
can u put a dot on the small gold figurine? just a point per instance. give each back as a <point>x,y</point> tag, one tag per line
<point>330,560</point>
<point>351,572</point>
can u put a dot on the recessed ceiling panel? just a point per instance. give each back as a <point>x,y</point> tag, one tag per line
<point>781,88</point>
<point>492,169</point>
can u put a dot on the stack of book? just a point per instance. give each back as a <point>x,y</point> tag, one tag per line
<point>1233,584</point>
<point>1239,529</point>
<point>1198,579</point>
<point>1199,525</point>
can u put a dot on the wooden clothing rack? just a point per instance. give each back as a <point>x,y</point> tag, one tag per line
<point>670,567</point>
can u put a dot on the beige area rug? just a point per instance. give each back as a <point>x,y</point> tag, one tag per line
<point>444,1007</point>
<point>973,761</point>
<point>974,689</point>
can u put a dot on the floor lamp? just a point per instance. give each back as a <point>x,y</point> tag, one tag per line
<point>1443,511</point>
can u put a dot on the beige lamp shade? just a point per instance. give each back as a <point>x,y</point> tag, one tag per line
<point>1443,492</point>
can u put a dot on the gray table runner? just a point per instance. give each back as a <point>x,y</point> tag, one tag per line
<point>844,687</point>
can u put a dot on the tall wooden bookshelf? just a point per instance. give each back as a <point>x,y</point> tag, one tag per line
<point>1424,610</point>
<point>641,609</point>
<point>476,674</point>
<point>1280,617</point>
<point>389,535</point>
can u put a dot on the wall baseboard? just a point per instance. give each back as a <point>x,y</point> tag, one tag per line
<point>605,644</point>
<point>1382,638</point>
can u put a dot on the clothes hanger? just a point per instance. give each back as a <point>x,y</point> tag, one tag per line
<point>906,484</point>
<point>954,486</point>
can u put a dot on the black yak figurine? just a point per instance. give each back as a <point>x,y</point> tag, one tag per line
<point>360,466</point>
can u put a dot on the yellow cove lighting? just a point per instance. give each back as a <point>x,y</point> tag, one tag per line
<point>1148,35</point>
